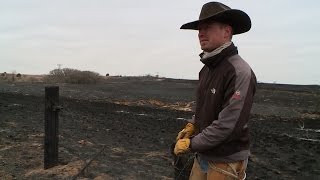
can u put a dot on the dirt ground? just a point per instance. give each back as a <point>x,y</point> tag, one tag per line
<point>127,125</point>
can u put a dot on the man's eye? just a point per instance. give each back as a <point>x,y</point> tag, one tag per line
<point>204,27</point>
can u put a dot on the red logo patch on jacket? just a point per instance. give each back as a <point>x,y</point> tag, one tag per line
<point>236,95</point>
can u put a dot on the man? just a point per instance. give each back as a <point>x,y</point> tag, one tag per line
<point>219,132</point>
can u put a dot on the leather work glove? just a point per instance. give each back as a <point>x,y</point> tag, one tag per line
<point>186,132</point>
<point>182,146</point>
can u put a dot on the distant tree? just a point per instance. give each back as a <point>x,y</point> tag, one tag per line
<point>4,75</point>
<point>18,75</point>
<point>107,74</point>
<point>73,76</point>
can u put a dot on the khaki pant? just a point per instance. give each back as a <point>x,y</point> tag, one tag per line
<point>219,171</point>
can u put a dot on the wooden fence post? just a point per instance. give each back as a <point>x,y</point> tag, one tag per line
<point>51,137</point>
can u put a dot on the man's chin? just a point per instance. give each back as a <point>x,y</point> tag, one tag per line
<point>205,49</point>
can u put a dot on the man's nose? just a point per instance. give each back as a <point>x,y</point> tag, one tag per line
<point>201,33</point>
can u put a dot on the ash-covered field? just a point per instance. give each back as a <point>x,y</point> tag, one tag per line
<point>127,125</point>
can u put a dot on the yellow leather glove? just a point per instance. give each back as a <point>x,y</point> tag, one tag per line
<point>186,132</point>
<point>182,146</point>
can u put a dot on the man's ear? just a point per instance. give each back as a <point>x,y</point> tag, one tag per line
<point>228,31</point>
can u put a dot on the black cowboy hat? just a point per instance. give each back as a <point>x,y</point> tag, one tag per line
<point>215,11</point>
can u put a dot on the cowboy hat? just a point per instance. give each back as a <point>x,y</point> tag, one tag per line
<point>215,11</point>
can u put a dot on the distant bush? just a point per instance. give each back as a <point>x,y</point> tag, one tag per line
<point>73,76</point>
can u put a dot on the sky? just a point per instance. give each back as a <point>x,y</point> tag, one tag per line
<point>142,37</point>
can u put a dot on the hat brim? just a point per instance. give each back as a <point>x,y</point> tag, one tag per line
<point>239,20</point>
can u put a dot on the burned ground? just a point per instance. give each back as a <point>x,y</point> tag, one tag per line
<point>133,123</point>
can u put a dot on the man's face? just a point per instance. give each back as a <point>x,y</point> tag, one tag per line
<point>213,35</point>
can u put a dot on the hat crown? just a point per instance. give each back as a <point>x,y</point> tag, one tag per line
<point>212,8</point>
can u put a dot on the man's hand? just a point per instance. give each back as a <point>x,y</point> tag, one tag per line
<point>186,132</point>
<point>182,146</point>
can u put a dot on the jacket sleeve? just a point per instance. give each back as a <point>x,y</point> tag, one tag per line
<point>238,99</point>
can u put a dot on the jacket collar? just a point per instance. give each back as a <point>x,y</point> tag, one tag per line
<point>215,57</point>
